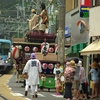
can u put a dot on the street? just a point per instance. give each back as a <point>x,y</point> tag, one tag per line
<point>17,90</point>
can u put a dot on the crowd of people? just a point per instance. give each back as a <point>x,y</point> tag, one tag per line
<point>75,78</point>
<point>72,77</point>
<point>75,81</point>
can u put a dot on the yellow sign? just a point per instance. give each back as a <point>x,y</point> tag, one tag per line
<point>85,8</point>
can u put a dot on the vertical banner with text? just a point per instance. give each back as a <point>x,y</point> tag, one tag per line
<point>84,8</point>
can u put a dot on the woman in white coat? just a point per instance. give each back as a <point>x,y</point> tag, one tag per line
<point>32,71</point>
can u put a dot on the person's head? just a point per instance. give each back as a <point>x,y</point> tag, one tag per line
<point>94,65</point>
<point>95,60</point>
<point>80,63</point>
<point>42,6</point>
<point>68,64</point>
<point>33,11</point>
<point>76,60</point>
<point>58,64</point>
<point>72,64</point>
<point>33,56</point>
<point>45,39</point>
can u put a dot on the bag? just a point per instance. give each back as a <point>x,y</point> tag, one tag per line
<point>67,80</point>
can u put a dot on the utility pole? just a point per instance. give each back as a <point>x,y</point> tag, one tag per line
<point>61,32</point>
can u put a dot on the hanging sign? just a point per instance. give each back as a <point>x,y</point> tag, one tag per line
<point>84,8</point>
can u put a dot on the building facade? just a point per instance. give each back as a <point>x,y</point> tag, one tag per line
<point>78,39</point>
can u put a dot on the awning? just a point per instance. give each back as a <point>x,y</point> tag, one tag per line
<point>93,48</point>
<point>78,47</point>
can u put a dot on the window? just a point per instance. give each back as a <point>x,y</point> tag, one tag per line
<point>4,48</point>
<point>95,3</point>
<point>75,3</point>
<point>71,4</point>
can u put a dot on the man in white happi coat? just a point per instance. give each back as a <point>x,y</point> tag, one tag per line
<point>32,71</point>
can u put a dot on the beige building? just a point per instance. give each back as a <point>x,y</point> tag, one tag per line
<point>72,16</point>
<point>71,4</point>
<point>93,24</point>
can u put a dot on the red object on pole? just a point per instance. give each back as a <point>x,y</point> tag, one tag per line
<point>85,3</point>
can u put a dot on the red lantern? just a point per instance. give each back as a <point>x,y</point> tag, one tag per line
<point>51,49</point>
<point>35,49</point>
<point>20,47</point>
<point>50,66</point>
<point>15,52</point>
<point>27,48</point>
<point>44,66</point>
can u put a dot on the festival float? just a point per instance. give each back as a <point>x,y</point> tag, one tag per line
<point>43,44</point>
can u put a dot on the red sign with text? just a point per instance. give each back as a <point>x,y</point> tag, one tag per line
<point>85,3</point>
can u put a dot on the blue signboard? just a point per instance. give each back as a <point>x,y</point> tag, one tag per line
<point>67,31</point>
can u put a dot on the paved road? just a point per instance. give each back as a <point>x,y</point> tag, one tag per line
<point>18,91</point>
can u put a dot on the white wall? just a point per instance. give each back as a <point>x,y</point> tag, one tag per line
<point>76,37</point>
<point>94,21</point>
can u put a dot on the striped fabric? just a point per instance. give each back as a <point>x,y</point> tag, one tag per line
<point>78,47</point>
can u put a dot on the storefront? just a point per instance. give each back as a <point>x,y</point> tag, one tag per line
<point>91,51</point>
<point>93,48</point>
